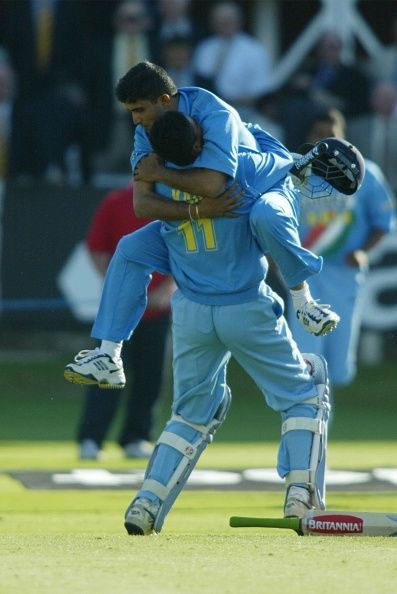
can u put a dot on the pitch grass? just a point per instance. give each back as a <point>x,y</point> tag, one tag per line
<point>58,542</point>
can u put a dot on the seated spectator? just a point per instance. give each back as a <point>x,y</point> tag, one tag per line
<point>384,65</point>
<point>323,81</point>
<point>378,139</point>
<point>265,113</point>
<point>130,45</point>
<point>46,41</point>
<point>7,94</point>
<point>232,63</point>
<point>173,19</point>
<point>176,58</point>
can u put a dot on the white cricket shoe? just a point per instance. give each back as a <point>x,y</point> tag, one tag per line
<point>95,367</point>
<point>297,502</point>
<point>138,449</point>
<point>317,318</point>
<point>140,516</point>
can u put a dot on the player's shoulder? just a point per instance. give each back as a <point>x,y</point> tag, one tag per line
<point>200,95</point>
<point>372,172</point>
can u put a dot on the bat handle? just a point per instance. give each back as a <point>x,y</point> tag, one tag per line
<point>242,522</point>
<point>319,149</point>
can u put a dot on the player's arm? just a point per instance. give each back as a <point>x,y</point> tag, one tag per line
<point>149,204</point>
<point>202,181</point>
<point>199,181</point>
<point>359,258</point>
<point>379,199</point>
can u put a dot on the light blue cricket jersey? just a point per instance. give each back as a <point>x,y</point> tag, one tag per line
<point>223,131</point>
<point>218,261</point>
<point>335,227</point>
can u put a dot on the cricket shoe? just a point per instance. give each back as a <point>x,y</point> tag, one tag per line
<point>140,516</point>
<point>297,502</point>
<point>96,368</point>
<point>317,318</point>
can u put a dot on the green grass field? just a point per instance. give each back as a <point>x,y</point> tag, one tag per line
<point>62,541</point>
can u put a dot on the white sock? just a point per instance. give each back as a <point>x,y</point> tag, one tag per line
<point>113,349</point>
<point>301,296</point>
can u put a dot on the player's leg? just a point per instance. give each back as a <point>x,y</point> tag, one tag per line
<point>263,345</point>
<point>343,288</point>
<point>146,357</point>
<point>201,401</point>
<point>123,302</point>
<point>124,295</point>
<point>338,285</point>
<point>302,452</point>
<point>274,224</point>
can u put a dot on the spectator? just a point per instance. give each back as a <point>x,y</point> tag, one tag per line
<point>379,137</point>
<point>7,93</point>
<point>49,51</point>
<point>384,66</point>
<point>265,113</point>
<point>176,58</point>
<point>343,230</point>
<point>173,19</point>
<point>323,81</point>
<point>130,45</point>
<point>232,63</point>
<point>144,353</point>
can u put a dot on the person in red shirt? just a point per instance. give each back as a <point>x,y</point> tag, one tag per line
<point>144,353</point>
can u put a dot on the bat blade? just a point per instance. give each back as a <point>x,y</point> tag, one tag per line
<point>349,523</point>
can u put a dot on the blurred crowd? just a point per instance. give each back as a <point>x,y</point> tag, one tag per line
<point>60,61</point>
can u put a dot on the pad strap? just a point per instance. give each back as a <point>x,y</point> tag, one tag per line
<point>204,429</point>
<point>300,476</point>
<point>303,423</point>
<point>178,443</point>
<point>161,491</point>
<point>316,400</point>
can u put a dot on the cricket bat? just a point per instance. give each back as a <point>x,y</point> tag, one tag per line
<point>322,523</point>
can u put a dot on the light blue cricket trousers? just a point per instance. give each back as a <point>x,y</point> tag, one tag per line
<point>256,334</point>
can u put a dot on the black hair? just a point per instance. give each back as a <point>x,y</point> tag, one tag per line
<point>330,116</point>
<point>145,80</point>
<point>172,137</point>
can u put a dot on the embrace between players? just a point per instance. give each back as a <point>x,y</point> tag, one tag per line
<point>214,247</point>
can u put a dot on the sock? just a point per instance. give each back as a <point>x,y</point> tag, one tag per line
<point>301,296</point>
<point>113,349</point>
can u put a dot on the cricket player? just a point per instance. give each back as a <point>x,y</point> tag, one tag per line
<point>342,231</point>
<point>275,218</point>
<point>224,135</point>
<point>219,269</point>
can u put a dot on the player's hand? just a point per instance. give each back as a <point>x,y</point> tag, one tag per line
<point>223,205</point>
<point>357,259</point>
<point>149,169</point>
